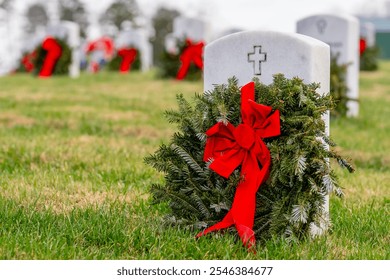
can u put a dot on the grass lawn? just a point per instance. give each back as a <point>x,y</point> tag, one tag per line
<point>73,184</point>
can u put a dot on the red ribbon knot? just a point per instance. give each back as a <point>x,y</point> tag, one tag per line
<point>231,147</point>
<point>247,131</point>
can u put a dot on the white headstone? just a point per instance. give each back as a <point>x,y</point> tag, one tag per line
<point>3,43</point>
<point>186,28</point>
<point>138,38</point>
<point>367,31</point>
<point>74,42</point>
<point>262,54</point>
<point>190,28</point>
<point>341,33</point>
<point>70,32</point>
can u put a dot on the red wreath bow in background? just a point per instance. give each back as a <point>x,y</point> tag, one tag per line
<point>128,57</point>
<point>230,147</point>
<point>28,61</point>
<point>105,44</point>
<point>192,53</point>
<point>362,46</point>
<point>54,51</point>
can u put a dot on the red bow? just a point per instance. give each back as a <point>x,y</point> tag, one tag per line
<point>54,52</point>
<point>104,43</point>
<point>27,61</point>
<point>230,147</point>
<point>128,57</point>
<point>192,53</point>
<point>362,46</point>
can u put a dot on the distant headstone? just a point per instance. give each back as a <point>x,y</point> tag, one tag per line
<point>367,32</point>
<point>69,32</point>
<point>139,39</point>
<point>31,41</point>
<point>262,54</point>
<point>189,28</point>
<point>341,33</point>
<point>4,44</point>
<point>184,28</point>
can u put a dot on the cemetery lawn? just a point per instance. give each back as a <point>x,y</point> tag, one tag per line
<point>73,184</point>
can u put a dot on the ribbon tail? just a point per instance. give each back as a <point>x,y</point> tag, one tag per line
<point>247,235</point>
<point>226,222</point>
<point>198,62</point>
<point>182,73</point>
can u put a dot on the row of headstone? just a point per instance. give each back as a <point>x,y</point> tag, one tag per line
<point>341,33</point>
<point>70,33</point>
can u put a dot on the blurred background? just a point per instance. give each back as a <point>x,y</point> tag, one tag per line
<point>23,23</point>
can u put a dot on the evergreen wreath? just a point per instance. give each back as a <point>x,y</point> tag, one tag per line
<point>116,61</point>
<point>169,64</point>
<point>291,201</point>
<point>63,63</point>
<point>338,86</point>
<point>369,59</point>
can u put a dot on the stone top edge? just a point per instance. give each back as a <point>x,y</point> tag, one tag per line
<point>267,33</point>
<point>336,15</point>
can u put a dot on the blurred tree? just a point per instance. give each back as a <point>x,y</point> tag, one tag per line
<point>73,10</point>
<point>36,16</point>
<point>119,11</point>
<point>163,25</point>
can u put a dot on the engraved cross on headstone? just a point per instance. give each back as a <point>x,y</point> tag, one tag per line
<point>321,25</point>
<point>257,57</point>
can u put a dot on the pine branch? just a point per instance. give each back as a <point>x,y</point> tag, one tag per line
<point>188,159</point>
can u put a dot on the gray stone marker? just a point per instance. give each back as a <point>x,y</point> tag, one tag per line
<point>367,31</point>
<point>341,33</point>
<point>70,32</point>
<point>262,54</point>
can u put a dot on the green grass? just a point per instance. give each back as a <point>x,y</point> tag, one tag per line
<point>73,184</point>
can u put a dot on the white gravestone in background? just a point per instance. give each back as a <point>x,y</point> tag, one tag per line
<point>367,31</point>
<point>4,44</point>
<point>186,28</point>
<point>139,39</point>
<point>191,28</point>
<point>341,33</point>
<point>262,54</point>
<point>70,32</point>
